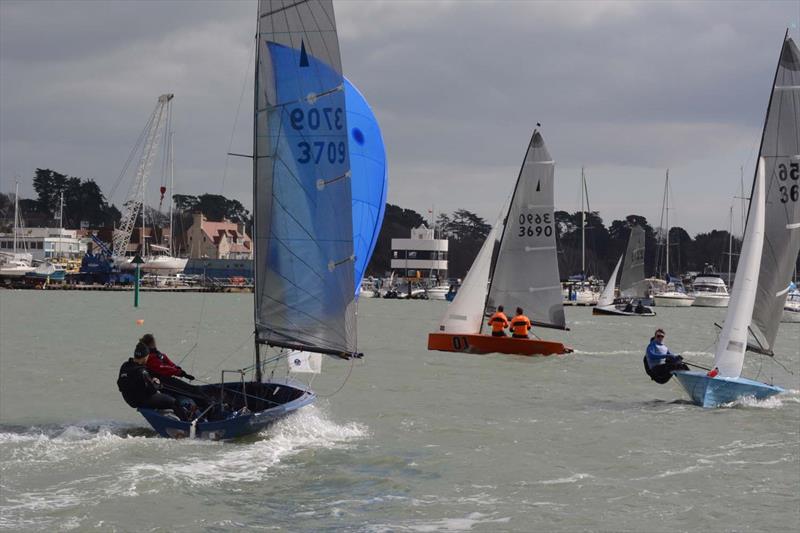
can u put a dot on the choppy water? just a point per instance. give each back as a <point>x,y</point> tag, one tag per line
<point>416,441</point>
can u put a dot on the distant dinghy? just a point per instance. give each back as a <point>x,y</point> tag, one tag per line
<point>303,237</point>
<point>632,275</point>
<point>516,267</point>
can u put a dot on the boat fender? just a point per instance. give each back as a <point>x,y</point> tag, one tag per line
<point>193,429</point>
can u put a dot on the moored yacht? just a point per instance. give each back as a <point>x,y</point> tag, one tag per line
<point>710,291</point>
<point>791,309</point>
<point>674,296</point>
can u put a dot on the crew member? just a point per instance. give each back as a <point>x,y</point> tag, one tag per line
<point>159,364</point>
<point>139,389</point>
<point>640,307</point>
<point>520,325</point>
<point>659,362</point>
<point>499,322</point>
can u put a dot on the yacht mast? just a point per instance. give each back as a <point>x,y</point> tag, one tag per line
<point>730,245</point>
<point>16,214</point>
<point>666,209</point>
<point>171,191</point>
<point>583,230</point>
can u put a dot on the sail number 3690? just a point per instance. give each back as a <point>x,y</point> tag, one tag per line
<point>535,225</point>
<point>789,193</point>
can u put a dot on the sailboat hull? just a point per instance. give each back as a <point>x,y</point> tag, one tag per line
<point>612,310</point>
<point>713,392</point>
<point>288,398</point>
<point>484,344</point>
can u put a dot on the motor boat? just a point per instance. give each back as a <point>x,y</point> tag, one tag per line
<point>674,296</point>
<point>15,265</point>
<point>791,309</point>
<point>710,291</point>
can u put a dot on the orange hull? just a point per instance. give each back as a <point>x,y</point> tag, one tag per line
<point>482,344</point>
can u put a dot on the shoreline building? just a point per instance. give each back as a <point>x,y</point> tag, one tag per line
<point>218,240</point>
<point>422,253</point>
<point>46,243</point>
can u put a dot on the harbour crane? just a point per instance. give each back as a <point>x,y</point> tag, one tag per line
<point>135,200</point>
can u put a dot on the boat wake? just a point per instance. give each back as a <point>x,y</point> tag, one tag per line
<point>50,469</point>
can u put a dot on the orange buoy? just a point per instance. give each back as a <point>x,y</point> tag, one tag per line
<point>139,321</point>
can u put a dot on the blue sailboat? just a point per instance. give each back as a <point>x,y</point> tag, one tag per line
<point>369,178</point>
<point>769,250</point>
<point>303,227</point>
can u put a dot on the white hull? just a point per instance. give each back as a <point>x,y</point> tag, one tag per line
<point>711,300</point>
<point>14,271</point>
<point>676,299</point>
<point>164,264</point>
<point>438,293</point>
<point>791,315</point>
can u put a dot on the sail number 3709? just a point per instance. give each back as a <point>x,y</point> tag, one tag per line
<point>789,192</point>
<point>535,225</point>
<point>326,118</point>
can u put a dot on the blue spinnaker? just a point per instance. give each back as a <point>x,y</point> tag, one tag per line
<point>369,177</point>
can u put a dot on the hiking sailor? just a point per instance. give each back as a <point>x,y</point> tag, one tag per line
<point>159,364</point>
<point>659,362</point>
<point>139,389</point>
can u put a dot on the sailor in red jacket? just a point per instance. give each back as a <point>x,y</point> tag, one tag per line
<point>159,364</point>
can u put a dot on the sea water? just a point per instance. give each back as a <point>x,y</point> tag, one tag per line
<point>402,440</point>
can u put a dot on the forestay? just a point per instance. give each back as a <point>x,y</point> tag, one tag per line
<point>525,273</point>
<point>369,177</point>
<point>729,355</point>
<point>304,289</point>
<point>633,271</point>
<point>780,149</point>
<point>607,297</point>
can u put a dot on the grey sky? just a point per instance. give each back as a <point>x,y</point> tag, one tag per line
<point>625,88</point>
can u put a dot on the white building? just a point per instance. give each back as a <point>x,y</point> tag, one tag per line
<point>421,253</point>
<point>45,243</point>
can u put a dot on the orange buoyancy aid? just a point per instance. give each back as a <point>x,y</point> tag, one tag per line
<point>520,325</point>
<point>498,321</point>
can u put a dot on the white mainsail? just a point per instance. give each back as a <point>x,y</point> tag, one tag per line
<point>525,273</point>
<point>607,297</point>
<point>630,283</point>
<point>729,355</point>
<point>780,149</point>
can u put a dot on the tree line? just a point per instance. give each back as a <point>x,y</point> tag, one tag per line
<point>604,245</point>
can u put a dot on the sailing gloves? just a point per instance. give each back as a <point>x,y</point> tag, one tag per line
<point>185,375</point>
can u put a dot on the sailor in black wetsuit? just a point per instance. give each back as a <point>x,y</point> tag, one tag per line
<point>139,389</point>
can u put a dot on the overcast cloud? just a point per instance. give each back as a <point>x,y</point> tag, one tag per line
<point>625,88</point>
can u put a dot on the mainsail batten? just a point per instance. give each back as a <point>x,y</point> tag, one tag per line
<point>304,296</point>
<point>525,271</point>
<point>780,149</point>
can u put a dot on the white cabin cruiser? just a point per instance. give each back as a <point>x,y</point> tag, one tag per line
<point>710,291</point>
<point>791,309</point>
<point>674,296</point>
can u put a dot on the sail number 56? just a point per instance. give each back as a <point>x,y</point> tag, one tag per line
<point>535,225</point>
<point>789,192</point>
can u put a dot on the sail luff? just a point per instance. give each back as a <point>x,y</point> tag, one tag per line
<point>304,287</point>
<point>780,149</point>
<point>732,343</point>
<point>525,272</point>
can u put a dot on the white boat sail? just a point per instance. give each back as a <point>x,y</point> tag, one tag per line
<point>516,267</point>
<point>607,297</point>
<point>780,149</point>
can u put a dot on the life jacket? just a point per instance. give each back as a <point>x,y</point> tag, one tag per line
<point>498,321</point>
<point>134,383</point>
<point>520,325</point>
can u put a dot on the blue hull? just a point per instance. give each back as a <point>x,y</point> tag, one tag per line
<point>713,392</point>
<point>167,425</point>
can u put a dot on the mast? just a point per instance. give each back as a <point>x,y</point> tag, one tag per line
<point>730,245</point>
<point>666,209</point>
<point>258,375</point>
<point>583,230</point>
<point>16,214</point>
<point>171,191</point>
